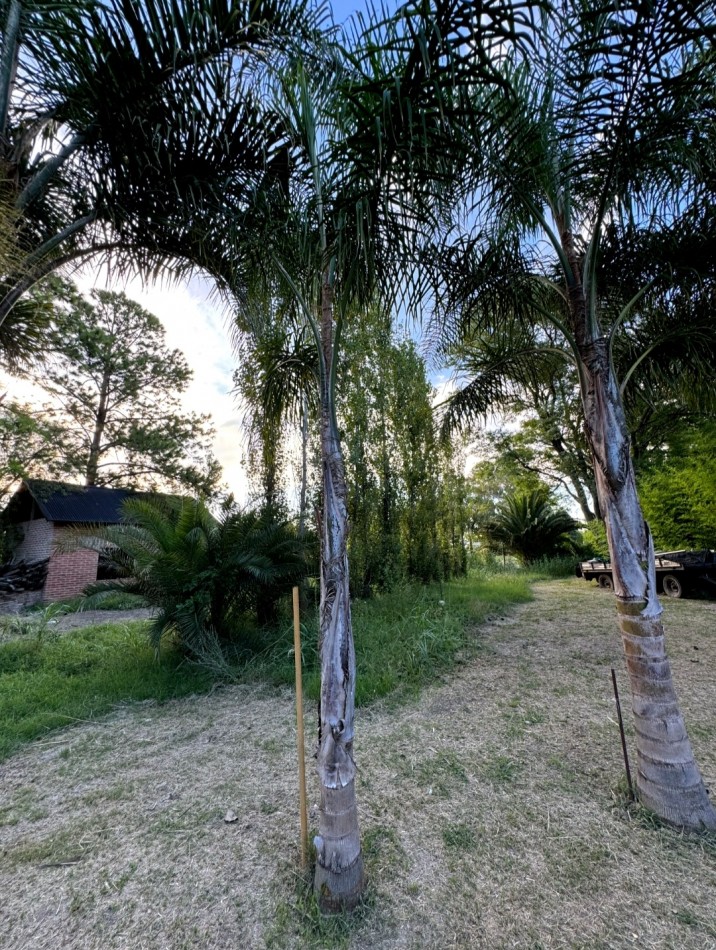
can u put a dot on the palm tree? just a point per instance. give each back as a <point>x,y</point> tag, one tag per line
<point>529,526</point>
<point>115,116</point>
<point>198,571</point>
<point>332,233</point>
<point>663,354</point>
<point>600,124</point>
<point>311,250</point>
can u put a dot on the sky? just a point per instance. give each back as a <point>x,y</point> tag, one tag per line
<point>196,324</point>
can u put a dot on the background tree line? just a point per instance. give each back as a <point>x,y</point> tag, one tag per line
<point>406,488</point>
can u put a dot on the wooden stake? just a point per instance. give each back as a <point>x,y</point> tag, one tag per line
<point>299,731</point>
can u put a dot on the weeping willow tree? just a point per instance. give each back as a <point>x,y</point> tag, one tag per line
<point>276,383</point>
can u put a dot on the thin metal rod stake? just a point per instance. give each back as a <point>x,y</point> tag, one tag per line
<point>632,796</point>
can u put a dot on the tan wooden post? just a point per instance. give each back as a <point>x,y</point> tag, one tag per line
<point>299,731</point>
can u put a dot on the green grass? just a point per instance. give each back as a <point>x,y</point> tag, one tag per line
<point>501,769</point>
<point>459,837</point>
<point>54,680</point>
<point>546,568</point>
<point>403,639</point>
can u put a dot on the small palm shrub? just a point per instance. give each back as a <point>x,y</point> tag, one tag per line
<point>528,525</point>
<point>201,572</point>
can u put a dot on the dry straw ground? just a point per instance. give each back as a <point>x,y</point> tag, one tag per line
<point>488,807</point>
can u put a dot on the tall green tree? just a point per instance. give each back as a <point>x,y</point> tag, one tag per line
<point>28,445</point>
<point>114,389</point>
<point>495,476</point>
<point>676,485</point>
<point>609,119</point>
<point>403,490</point>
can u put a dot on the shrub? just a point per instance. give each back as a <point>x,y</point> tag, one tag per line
<point>200,572</point>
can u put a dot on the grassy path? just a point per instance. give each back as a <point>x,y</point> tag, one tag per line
<point>487,807</point>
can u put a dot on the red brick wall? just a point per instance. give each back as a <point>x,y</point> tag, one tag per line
<point>68,574</point>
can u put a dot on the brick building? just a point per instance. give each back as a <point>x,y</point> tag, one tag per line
<point>41,514</point>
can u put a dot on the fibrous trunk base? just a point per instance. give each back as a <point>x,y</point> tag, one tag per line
<point>338,883</point>
<point>668,779</point>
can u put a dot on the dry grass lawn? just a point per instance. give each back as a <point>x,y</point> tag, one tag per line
<point>489,812</point>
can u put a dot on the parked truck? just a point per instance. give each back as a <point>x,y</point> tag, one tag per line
<point>678,573</point>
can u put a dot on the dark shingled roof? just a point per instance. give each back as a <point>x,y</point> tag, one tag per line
<point>60,502</point>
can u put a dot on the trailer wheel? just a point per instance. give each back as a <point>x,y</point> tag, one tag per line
<point>672,586</point>
<point>605,582</point>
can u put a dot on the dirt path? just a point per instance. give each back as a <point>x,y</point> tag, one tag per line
<point>90,618</point>
<point>487,811</point>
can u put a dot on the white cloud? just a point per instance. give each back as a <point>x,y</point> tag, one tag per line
<point>443,386</point>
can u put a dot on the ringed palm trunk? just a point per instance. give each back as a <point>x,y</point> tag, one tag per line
<point>668,779</point>
<point>338,881</point>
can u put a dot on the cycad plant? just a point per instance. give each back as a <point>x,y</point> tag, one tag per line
<point>529,526</point>
<point>200,572</point>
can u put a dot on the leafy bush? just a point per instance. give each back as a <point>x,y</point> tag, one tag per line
<point>200,572</point>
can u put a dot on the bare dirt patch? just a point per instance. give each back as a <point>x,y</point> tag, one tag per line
<point>487,810</point>
<point>91,618</point>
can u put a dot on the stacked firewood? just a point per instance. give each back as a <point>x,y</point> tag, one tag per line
<point>22,576</point>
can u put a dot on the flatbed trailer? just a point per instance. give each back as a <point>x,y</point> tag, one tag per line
<point>678,573</point>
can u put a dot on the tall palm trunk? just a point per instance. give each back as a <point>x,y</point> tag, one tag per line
<point>9,47</point>
<point>338,880</point>
<point>668,779</point>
